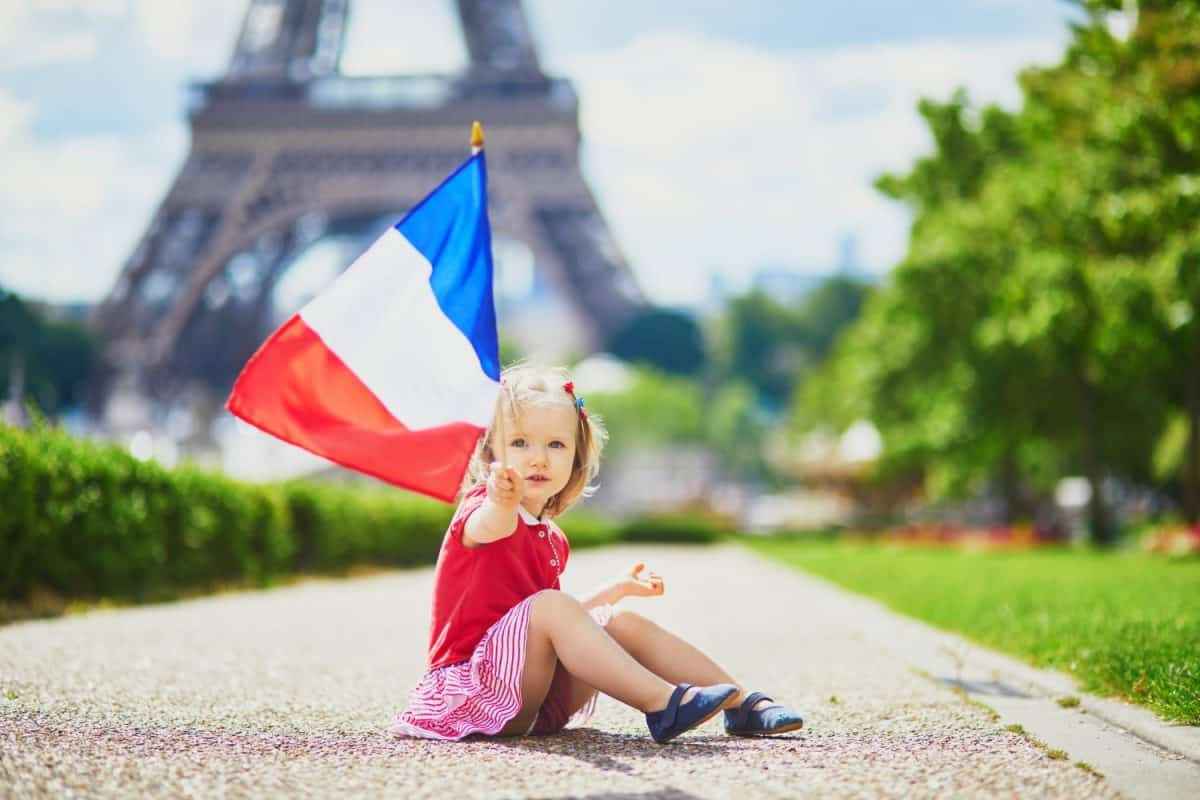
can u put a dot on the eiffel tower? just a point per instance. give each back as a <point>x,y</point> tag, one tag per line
<point>285,151</point>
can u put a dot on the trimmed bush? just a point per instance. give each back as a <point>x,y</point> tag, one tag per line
<point>87,520</point>
<point>672,528</point>
<point>82,519</point>
<point>335,527</point>
<point>588,529</point>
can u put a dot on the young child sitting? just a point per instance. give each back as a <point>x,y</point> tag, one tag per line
<point>509,652</point>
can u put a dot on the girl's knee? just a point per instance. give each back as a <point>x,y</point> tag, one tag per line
<point>552,601</point>
<point>625,621</point>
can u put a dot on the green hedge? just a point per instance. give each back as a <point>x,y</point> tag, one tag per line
<point>334,528</point>
<point>82,519</point>
<point>87,520</point>
<point>673,528</point>
<point>588,529</point>
<point>585,528</point>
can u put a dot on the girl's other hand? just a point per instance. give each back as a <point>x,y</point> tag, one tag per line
<point>642,583</point>
<point>505,486</point>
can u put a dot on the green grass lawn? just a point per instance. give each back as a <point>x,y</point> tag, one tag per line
<point>1125,624</point>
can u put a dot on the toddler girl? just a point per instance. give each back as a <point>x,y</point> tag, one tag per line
<point>509,652</point>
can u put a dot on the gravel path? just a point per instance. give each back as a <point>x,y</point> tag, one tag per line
<point>288,692</point>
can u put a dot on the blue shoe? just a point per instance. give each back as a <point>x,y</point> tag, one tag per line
<point>773,719</point>
<point>673,720</point>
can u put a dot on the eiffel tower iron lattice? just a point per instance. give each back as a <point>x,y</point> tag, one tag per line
<point>285,150</point>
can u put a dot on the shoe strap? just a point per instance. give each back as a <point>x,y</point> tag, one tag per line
<point>743,712</point>
<point>672,710</point>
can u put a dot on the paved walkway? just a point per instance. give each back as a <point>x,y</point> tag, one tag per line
<point>288,692</point>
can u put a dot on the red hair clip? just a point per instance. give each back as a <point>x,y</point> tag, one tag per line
<point>569,387</point>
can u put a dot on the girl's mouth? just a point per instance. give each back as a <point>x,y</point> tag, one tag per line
<point>537,479</point>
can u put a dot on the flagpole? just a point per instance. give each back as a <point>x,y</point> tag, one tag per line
<point>499,432</point>
<point>476,149</point>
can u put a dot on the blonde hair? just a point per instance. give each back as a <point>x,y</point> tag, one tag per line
<point>524,385</point>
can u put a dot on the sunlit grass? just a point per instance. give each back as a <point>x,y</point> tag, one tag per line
<point>1125,624</point>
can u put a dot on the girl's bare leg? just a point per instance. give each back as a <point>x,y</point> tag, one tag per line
<point>581,693</point>
<point>561,630</point>
<point>668,656</point>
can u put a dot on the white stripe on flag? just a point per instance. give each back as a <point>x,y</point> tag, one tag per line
<point>380,317</point>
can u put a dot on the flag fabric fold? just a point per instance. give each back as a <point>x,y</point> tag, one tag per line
<point>393,370</point>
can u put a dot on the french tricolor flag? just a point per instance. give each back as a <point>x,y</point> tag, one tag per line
<point>394,369</point>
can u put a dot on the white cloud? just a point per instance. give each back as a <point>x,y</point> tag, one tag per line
<point>709,154</point>
<point>382,37</point>
<point>72,209</point>
<point>197,36</point>
<point>86,9</point>
<point>705,154</point>
<point>386,38</point>
<point>45,32</point>
<point>14,119</point>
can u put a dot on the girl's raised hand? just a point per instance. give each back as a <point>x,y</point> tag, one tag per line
<point>505,486</point>
<point>642,583</point>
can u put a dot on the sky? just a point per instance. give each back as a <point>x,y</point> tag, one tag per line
<point>720,137</point>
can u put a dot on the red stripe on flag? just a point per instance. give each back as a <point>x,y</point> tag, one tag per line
<point>295,388</point>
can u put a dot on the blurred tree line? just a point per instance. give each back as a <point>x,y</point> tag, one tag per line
<point>726,384</point>
<point>51,359</point>
<point>1046,318</point>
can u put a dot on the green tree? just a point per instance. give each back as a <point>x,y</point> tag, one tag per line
<point>771,345</point>
<point>663,410</point>
<point>761,344</point>
<point>826,310</point>
<point>656,409</point>
<point>56,357</point>
<point>916,362</point>
<point>661,338</point>
<point>737,431</point>
<point>1122,117</point>
<point>1148,126</point>
<point>1043,319</point>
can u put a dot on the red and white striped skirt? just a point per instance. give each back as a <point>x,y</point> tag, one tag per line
<point>481,694</point>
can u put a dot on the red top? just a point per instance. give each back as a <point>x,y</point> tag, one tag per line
<point>475,586</point>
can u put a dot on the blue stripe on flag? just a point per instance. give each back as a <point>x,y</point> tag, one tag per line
<point>450,228</point>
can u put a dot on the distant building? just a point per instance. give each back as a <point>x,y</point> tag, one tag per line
<point>77,312</point>
<point>12,413</point>
<point>655,480</point>
<point>786,285</point>
<point>848,264</point>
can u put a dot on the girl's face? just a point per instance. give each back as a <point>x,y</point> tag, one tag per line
<point>541,446</point>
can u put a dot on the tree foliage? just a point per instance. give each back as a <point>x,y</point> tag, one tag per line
<point>655,409</point>
<point>771,345</point>
<point>1044,319</point>
<point>661,338</point>
<point>55,358</point>
<point>730,402</point>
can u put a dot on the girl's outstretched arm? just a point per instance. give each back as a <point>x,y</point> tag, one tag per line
<point>635,583</point>
<point>497,517</point>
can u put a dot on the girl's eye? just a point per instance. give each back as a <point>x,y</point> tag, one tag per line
<point>517,443</point>
<point>557,443</point>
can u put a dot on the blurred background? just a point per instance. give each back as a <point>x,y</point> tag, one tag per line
<point>932,269</point>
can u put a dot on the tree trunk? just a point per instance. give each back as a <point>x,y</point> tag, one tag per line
<point>1099,524</point>
<point>1010,488</point>
<point>1191,475</point>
